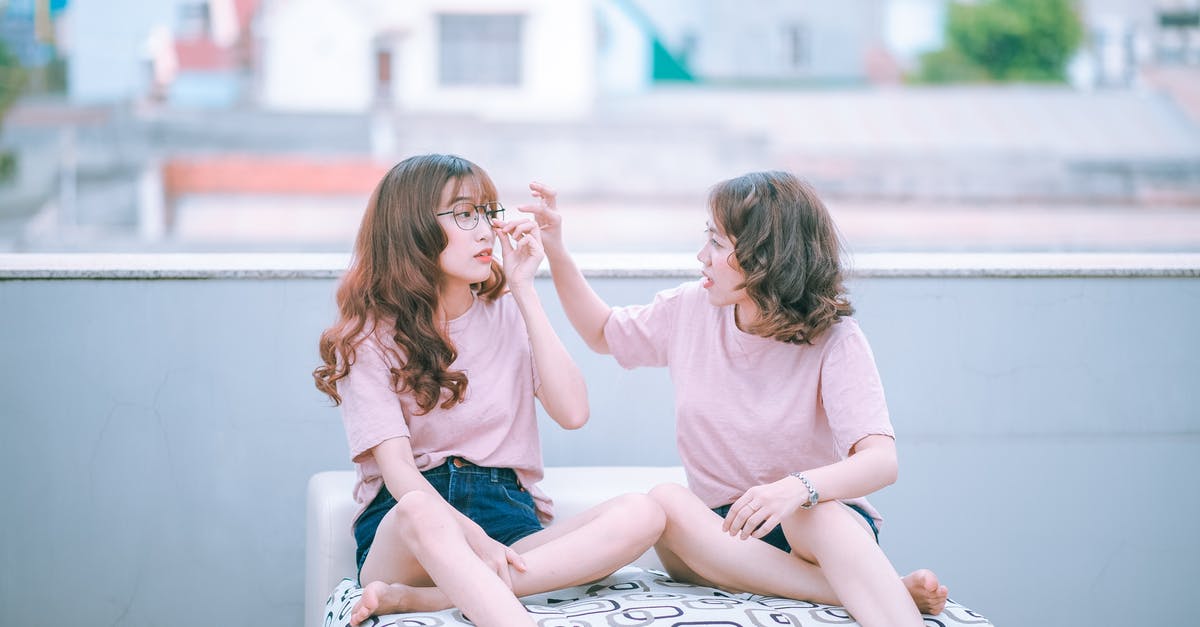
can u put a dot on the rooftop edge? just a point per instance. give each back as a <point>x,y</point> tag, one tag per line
<point>158,266</point>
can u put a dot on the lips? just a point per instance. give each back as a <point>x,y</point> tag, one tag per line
<point>484,256</point>
<point>707,281</point>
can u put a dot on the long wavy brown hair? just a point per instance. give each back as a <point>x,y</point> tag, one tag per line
<point>788,248</point>
<point>393,282</point>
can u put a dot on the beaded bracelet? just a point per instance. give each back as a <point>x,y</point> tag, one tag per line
<point>813,497</point>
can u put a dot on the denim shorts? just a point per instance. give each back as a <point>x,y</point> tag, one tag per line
<point>492,497</point>
<point>776,538</point>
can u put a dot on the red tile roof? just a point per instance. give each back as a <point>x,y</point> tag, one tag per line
<point>259,174</point>
<point>201,54</point>
<point>204,55</point>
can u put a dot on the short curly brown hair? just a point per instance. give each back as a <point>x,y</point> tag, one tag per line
<point>787,246</point>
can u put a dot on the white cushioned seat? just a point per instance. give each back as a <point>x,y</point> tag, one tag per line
<point>637,595</point>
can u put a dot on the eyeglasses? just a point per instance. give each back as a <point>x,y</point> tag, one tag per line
<point>466,215</point>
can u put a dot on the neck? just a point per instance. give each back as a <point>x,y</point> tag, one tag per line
<point>454,301</point>
<point>745,314</point>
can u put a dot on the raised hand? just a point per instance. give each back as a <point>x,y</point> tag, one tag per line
<point>544,210</point>
<point>522,245</point>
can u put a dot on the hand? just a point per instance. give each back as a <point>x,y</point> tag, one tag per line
<point>521,242</point>
<point>494,555</point>
<point>545,213</point>
<point>762,507</point>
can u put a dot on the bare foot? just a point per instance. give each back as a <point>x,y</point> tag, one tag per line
<point>379,598</point>
<point>927,593</point>
<point>369,602</point>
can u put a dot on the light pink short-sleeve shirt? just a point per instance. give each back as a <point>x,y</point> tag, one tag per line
<point>495,425</point>
<point>750,409</point>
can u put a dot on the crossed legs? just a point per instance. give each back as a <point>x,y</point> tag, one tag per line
<point>418,545</point>
<point>853,570</point>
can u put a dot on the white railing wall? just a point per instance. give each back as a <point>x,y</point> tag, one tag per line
<point>158,423</point>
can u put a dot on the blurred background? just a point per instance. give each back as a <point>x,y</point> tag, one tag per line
<point>157,431</point>
<point>928,125</point>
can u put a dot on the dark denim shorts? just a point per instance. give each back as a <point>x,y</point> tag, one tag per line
<point>492,497</point>
<point>779,541</point>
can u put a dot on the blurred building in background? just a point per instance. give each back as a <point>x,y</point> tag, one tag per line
<point>263,124</point>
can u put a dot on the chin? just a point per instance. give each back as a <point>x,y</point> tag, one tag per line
<point>472,277</point>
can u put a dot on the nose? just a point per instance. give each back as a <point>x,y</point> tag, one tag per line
<point>702,256</point>
<point>485,232</point>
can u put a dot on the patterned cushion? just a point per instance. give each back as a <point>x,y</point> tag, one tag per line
<point>633,597</point>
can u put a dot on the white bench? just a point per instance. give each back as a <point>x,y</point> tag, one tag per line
<point>630,597</point>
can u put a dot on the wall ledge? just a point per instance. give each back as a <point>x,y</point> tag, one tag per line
<point>261,266</point>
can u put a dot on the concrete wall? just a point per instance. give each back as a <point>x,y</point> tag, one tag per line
<point>156,436</point>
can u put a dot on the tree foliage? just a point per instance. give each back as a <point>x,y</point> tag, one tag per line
<point>12,79</point>
<point>1006,40</point>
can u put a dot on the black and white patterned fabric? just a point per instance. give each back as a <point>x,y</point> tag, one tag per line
<point>633,597</point>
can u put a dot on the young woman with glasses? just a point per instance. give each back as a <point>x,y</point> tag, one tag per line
<point>436,366</point>
<point>781,421</point>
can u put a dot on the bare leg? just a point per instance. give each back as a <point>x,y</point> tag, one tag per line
<point>836,537</point>
<point>585,548</point>
<point>420,542</point>
<point>589,546</point>
<point>693,548</point>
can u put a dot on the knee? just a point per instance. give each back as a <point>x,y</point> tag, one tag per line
<point>416,514</point>
<point>643,513</point>
<point>669,496</point>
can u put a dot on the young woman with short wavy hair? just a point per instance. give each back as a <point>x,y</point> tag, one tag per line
<point>781,421</point>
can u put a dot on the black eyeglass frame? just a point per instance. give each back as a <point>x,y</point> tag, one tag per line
<point>492,210</point>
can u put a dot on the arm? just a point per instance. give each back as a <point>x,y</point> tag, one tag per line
<point>871,465</point>
<point>563,392</point>
<point>584,308</point>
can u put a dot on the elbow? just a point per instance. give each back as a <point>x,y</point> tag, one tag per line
<point>598,344</point>
<point>575,418</point>
<point>890,471</point>
<point>578,412</point>
<point>893,474</point>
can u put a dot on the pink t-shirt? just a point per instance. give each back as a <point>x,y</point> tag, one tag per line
<point>495,425</point>
<point>750,409</point>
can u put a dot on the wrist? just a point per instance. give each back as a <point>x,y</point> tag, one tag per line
<point>555,252</point>
<point>809,492</point>
<point>522,289</point>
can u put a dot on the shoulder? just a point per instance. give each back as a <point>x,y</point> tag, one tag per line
<point>845,327</point>
<point>690,292</point>
<point>844,336</point>
<point>686,295</point>
<point>503,310</point>
<point>376,343</point>
<point>490,319</point>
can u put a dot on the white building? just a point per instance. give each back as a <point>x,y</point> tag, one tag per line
<point>494,58</point>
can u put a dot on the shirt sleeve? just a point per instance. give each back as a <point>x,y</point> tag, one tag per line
<point>640,335</point>
<point>371,410</point>
<point>852,392</point>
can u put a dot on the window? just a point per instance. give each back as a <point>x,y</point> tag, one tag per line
<point>479,50</point>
